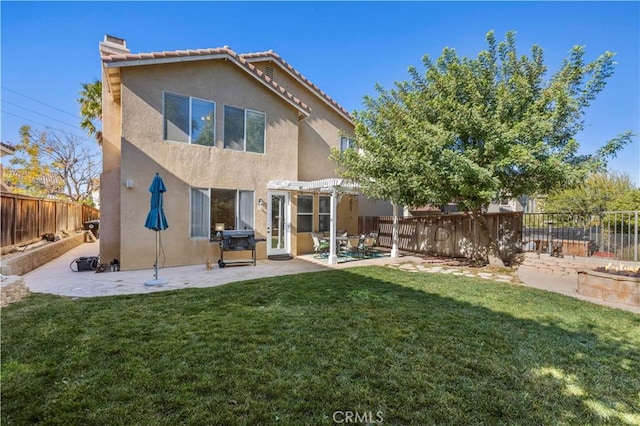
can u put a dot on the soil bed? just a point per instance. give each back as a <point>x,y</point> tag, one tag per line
<point>632,274</point>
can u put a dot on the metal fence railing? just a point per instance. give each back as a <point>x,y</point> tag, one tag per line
<point>611,235</point>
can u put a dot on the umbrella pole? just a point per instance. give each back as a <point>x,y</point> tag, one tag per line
<point>156,264</point>
<point>156,280</point>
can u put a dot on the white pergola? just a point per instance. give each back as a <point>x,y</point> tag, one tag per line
<point>336,187</point>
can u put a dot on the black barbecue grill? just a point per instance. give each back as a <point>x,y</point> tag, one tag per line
<point>237,241</point>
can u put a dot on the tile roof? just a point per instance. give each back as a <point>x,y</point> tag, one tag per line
<point>270,54</point>
<point>48,180</point>
<point>7,147</point>
<point>128,59</point>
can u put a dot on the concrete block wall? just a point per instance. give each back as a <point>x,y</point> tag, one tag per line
<point>37,257</point>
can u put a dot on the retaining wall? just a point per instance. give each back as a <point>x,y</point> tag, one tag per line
<point>32,259</point>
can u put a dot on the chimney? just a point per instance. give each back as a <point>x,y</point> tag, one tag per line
<point>113,46</point>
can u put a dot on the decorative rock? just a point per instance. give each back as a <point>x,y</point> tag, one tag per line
<point>13,289</point>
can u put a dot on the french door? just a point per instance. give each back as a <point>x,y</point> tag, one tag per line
<point>278,223</point>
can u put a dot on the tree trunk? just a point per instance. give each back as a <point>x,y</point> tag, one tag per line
<point>394,232</point>
<point>487,248</point>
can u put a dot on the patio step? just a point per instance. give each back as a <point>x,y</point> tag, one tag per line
<point>557,265</point>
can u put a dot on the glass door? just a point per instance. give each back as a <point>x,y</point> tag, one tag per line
<point>278,223</point>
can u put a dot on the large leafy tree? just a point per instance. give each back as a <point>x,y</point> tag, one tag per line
<point>597,193</point>
<point>54,163</point>
<point>91,109</point>
<point>472,129</point>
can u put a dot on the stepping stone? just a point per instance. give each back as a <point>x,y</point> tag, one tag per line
<point>501,280</point>
<point>485,274</point>
<point>406,266</point>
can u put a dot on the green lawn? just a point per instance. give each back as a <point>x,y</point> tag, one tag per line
<point>406,348</point>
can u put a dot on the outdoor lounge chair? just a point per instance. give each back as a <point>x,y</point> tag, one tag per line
<point>320,245</point>
<point>369,243</point>
<point>353,247</point>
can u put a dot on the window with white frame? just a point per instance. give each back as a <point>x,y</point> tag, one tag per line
<point>230,207</point>
<point>324,212</point>
<point>188,119</point>
<point>244,130</point>
<point>305,213</point>
<point>345,143</point>
<point>200,206</point>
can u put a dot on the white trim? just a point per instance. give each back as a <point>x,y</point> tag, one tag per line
<point>286,224</point>
<point>333,186</point>
<point>322,185</point>
<point>333,222</point>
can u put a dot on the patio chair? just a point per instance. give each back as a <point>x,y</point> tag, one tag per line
<point>369,243</point>
<point>320,245</point>
<point>353,247</point>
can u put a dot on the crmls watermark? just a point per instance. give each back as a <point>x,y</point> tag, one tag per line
<point>367,417</point>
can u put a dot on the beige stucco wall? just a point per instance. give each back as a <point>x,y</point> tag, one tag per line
<point>110,180</point>
<point>134,151</point>
<point>183,166</point>
<point>318,133</point>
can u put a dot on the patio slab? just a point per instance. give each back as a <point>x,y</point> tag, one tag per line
<point>56,277</point>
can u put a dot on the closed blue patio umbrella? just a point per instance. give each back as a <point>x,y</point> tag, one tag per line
<point>156,220</point>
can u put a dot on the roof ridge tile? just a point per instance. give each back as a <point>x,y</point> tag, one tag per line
<point>297,73</point>
<point>203,52</point>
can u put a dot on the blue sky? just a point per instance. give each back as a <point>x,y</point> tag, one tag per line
<point>50,48</point>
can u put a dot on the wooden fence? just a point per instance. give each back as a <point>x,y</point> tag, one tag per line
<point>25,219</point>
<point>451,235</point>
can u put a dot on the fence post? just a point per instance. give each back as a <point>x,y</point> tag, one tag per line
<point>635,248</point>
<point>15,220</point>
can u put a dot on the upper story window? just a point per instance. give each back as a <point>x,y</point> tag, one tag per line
<point>244,130</point>
<point>189,120</point>
<point>345,143</point>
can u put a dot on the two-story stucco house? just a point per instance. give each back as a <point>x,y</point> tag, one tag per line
<point>240,140</point>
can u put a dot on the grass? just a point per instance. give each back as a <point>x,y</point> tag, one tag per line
<point>404,348</point>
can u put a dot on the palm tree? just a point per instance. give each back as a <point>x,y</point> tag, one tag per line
<point>91,108</point>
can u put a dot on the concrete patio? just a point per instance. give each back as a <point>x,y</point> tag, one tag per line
<point>56,277</point>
